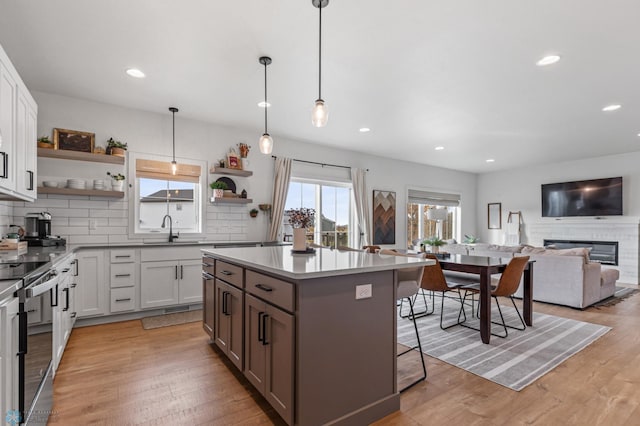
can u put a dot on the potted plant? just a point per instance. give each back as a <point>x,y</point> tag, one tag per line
<point>253,212</point>
<point>435,243</point>
<point>116,148</point>
<point>118,181</point>
<point>218,188</point>
<point>470,239</point>
<point>44,142</point>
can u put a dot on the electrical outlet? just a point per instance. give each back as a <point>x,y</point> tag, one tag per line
<point>363,291</point>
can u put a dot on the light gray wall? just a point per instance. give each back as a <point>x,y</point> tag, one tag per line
<point>520,190</point>
<point>151,133</point>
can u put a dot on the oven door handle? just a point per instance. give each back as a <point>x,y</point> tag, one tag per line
<point>39,289</point>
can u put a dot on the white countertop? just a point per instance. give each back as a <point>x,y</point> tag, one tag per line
<point>323,263</point>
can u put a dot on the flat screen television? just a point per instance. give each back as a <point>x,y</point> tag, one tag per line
<point>595,197</point>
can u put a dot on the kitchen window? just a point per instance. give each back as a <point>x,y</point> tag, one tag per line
<point>334,223</point>
<point>158,192</point>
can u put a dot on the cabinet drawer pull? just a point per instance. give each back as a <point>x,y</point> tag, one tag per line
<point>66,299</point>
<point>5,165</point>
<point>74,285</point>
<point>226,273</point>
<point>30,188</point>
<point>260,337</point>
<point>264,287</point>
<point>65,270</point>
<point>264,330</point>
<point>207,265</point>
<point>123,300</point>
<point>122,275</point>
<point>224,303</point>
<point>207,276</point>
<point>73,314</point>
<point>123,256</point>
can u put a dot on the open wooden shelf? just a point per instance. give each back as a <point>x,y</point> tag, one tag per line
<point>229,200</point>
<point>69,191</point>
<point>77,155</point>
<point>231,172</point>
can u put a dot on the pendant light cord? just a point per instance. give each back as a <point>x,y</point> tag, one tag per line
<point>265,98</point>
<point>174,136</point>
<point>320,53</point>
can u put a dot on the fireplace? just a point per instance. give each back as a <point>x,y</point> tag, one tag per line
<point>605,252</point>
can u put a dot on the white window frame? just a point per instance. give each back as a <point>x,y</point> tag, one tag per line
<point>353,217</point>
<point>199,197</point>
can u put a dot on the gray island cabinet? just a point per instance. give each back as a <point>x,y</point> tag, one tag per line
<point>314,333</point>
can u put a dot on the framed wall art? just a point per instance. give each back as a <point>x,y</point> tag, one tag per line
<point>494,215</point>
<point>234,161</point>
<point>384,217</point>
<point>73,140</point>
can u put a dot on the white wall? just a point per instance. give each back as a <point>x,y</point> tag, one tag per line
<point>151,133</point>
<point>520,190</point>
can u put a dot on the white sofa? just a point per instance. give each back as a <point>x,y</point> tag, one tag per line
<point>563,277</point>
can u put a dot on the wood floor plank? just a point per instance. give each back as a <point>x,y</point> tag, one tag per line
<point>121,374</point>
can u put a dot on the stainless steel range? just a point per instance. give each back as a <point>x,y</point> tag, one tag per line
<point>35,375</point>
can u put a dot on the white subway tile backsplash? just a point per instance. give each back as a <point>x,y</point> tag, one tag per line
<point>87,239</point>
<point>109,230</point>
<point>109,213</point>
<point>89,204</point>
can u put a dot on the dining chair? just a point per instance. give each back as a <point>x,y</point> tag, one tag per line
<point>506,287</point>
<point>372,249</point>
<point>434,280</point>
<point>407,285</point>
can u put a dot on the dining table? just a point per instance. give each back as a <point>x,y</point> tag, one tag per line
<point>485,267</point>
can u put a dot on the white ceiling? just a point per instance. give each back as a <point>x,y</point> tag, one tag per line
<point>420,73</point>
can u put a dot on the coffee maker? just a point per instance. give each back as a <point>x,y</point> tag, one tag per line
<point>38,230</point>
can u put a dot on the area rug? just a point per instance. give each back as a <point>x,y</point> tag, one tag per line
<point>514,362</point>
<point>622,293</point>
<point>167,320</point>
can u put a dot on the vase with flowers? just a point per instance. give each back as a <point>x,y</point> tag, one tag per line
<point>300,219</point>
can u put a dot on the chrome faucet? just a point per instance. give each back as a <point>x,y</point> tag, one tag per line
<point>164,222</point>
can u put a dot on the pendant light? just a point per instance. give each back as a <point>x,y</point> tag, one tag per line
<point>319,115</point>
<point>174,165</point>
<point>266,142</point>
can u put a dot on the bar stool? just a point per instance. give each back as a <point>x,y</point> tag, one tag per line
<point>406,288</point>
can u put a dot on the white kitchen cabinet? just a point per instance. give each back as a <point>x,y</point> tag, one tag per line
<point>158,284</point>
<point>18,127</point>
<point>91,289</point>
<point>8,355</point>
<point>165,283</point>
<point>26,158</point>
<point>123,280</point>
<point>190,289</point>
<point>64,312</point>
<point>8,102</point>
<point>170,276</point>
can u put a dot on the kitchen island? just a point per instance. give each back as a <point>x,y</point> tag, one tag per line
<point>314,333</point>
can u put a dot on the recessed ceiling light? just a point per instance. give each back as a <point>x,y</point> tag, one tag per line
<point>439,148</point>
<point>134,72</point>
<point>638,134</point>
<point>263,104</point>
<point>612,107</point>
<point>548,60</point>
<point>490,160</point>
<point>364,129</point>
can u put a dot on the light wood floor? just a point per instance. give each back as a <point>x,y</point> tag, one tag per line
<point>120,374</point>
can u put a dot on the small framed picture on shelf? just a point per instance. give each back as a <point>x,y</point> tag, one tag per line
<point>73,140</point>
<point>234,162</point>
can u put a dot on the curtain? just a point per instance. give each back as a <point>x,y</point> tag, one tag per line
<point>281,179</point>
<point>362,204</point>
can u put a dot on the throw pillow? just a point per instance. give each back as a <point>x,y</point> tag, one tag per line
<point>533,250</point>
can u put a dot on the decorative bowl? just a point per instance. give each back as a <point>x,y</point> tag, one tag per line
<point>50,184</point>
